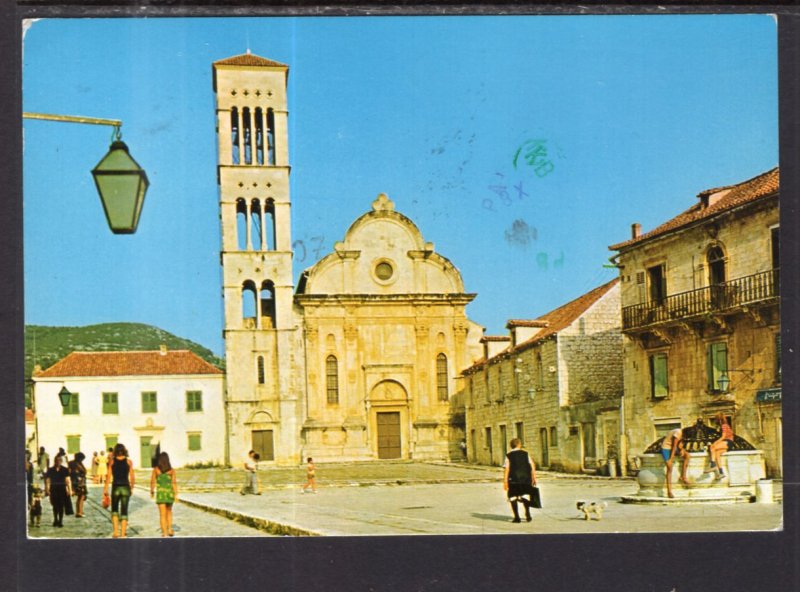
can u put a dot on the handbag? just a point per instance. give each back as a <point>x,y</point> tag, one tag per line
<point>536,498</point>
<point>106,502</point>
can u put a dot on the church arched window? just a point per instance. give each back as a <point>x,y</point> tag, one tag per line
<point>441,377</point>
<point>332,379</point>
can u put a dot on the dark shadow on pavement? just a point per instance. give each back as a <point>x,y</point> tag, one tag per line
<point>497,517</point>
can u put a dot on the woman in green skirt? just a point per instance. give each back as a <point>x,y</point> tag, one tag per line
<point>164,486</point>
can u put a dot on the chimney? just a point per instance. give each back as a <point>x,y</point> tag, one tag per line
<point>636,230</point>
<point>37,369</point>
<point>163,349</point>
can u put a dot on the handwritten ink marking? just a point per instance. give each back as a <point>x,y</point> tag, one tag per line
<point>534,153</point>
<point>520,192</point>
<point>501,190</point>
<point>520,234</point>
<point>301,252</point>
<point>295,245</point>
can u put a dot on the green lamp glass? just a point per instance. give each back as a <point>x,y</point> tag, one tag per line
<point>122,184</point>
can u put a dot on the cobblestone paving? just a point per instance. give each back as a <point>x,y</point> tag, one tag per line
<point>143,513</point>
<point>335,474</point>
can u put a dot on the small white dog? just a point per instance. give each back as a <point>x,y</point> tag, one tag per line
<point>589,508</point>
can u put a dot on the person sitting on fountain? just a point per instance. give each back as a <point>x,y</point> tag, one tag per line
<point>723,444</point>
<point>671,446</point>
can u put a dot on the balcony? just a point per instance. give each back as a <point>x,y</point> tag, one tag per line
<point>719,299</point>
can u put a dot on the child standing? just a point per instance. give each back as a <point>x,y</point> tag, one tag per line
<point>311,476</point>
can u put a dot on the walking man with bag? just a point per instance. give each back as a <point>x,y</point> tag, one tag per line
<point>519,479</point>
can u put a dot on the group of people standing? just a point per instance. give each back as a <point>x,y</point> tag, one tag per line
<point>64,480</point>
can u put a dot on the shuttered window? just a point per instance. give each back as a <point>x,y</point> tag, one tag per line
<point>659,382</point>
<point>717,364</point>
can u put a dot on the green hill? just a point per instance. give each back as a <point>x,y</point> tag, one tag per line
<point>46,345</point>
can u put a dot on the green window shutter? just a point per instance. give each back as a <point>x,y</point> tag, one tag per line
<point>110,404</point>
<point>194,442</point>
<point>194,401</point>
<point>111,441</point>
<point>73,444</point>
<point>74,407</point>
<point>149,402</point>
<point>659,375</point>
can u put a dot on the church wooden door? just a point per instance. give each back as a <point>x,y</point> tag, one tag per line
<point>389,434</point>
<point>263,445</point>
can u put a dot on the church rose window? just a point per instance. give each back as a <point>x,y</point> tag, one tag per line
<point>384,271</point>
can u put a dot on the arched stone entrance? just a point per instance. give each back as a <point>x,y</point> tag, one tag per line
<point>262,429</point>
<point>388,420</point>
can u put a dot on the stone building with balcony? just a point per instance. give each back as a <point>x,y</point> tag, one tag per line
<point>701,318</point>
<point>555,382</point>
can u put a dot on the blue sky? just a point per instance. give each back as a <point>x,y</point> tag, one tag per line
<point>612,119</point>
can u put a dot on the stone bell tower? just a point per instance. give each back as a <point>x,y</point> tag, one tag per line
<point>261,338</point>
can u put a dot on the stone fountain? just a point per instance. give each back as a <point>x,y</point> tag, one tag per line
<point>743,466</point>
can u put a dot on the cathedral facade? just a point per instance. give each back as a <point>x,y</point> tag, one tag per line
<point>360,361</point>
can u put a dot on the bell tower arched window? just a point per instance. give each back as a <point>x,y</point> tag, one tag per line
<point>235,139</point>
<point>259,116</point>
<point>268,320</point>
<point>441,377</point>
<point>256,230</point>
<point>242,227</point>
<point>270,136</point>
<point>249,305</point>
<point>247,136</point>
<point>270,243</point>
<point>332,379</point>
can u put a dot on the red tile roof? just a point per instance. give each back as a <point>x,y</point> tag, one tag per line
<point>29,416</point>
<point>525,323</point>
<point>763,185</point>
<point>556,320</point>
<point>130,363</point>
<point>248,59</point>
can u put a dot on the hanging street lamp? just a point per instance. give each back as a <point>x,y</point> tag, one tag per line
<point>64,396</point>
<point>119,179</point>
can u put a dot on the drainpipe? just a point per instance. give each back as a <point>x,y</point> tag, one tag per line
<point>623,442</point>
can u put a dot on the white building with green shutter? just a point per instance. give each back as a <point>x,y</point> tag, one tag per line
<point>171,401</point>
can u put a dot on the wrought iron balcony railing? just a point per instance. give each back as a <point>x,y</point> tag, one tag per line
<point>749,290</point>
